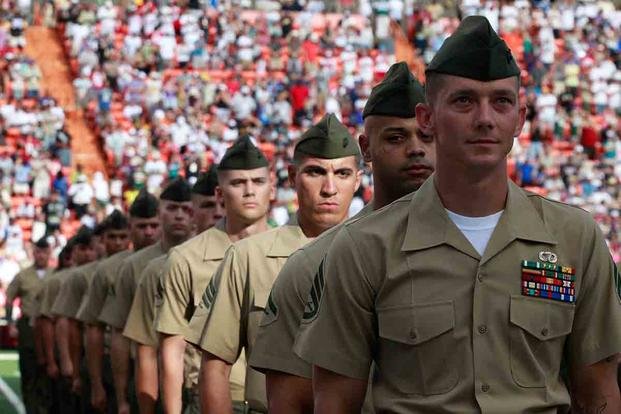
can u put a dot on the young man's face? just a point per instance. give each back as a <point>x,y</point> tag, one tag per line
<point>325,188</point>
<point>116,240</point>
<point>41,256</point>
<point>176,218</point>
<point>144,231</point>
<point>207,211</point>
<point>85,253</point>
<point>246,194</point>
<point>474,122</point>
<point>403,157</point>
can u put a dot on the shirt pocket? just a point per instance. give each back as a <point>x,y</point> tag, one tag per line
<point>417,349</point>
<point>539,328</point>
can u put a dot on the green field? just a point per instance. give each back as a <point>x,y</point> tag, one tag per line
<point>9,372</point>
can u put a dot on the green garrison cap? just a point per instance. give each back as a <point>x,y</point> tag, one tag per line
<point>396,95</point>
<point>116,221</point>
<point>328,139</point>
<point>177,190</point>
<point>206,183</point>
<point>83,236</point>
<point>144,205</point>
<point>476,52</point>
<point>243,155</point>
<point>42,243</point>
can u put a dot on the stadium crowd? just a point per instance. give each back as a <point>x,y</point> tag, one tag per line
<point>169,86</point>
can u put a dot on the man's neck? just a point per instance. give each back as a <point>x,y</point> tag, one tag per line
<point>238,230</point>
<point>473,195</point>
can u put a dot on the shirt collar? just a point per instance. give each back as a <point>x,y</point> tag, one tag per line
<point>429,225</point>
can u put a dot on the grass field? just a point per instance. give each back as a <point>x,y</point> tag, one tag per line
<point>9,372</point>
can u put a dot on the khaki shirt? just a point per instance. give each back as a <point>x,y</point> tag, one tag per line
<point>453,331</point>
<point>125,285</point>
<point>139,326</point>
<point>243,281</point>
<point>49,291</point>
<point>273,349</point>
<point>95,296</point>
<point>73,289</point>
<point>26,285</point>
<point>189,269</point>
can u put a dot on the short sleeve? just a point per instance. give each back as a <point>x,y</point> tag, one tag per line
<point>94,298</point>
<point>596,332</point>
<point>172,316</point>
<point>13,289</point>
<point>221,335</point>
<point>338,324</point>
<point>70,296</point>
<point>273,348</point>
<point>139,326</point>
<point>50,292</point>
<point>123,297</point>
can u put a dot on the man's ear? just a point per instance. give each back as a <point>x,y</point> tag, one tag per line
<point>424,118</point>
<point>365,147</point>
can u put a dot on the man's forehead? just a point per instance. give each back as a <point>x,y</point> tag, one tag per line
<point>262,172</point>
<point>381,123</point>
<point>451,84</point>
<point>333,163</point>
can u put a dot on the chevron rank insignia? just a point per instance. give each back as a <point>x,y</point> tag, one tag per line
<point>314,297</point>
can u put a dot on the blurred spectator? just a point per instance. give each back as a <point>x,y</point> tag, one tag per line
<point>81,194</point>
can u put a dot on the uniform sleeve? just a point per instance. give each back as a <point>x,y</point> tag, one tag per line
<point>139,326</point>
<point>94,298</point>
<point>50,292</point>
<point>273,348</point>
<point>69,297</point>
<point>338,324</point>
<point>596,332</point>
<point>201,313</point>
<point>222,335</point>
<point>176,285</point>
<point>123,297</point>
<point>12,291</point>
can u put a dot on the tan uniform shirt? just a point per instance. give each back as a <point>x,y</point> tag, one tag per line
<point>139,326</point>
<point>125,285</point>
<point>190,267</point>
<point>453,331</point>
<point>26,285</point>
<point>73,289</point>
<point>49,291</point>
<point>273,349</point>
<point>95,296</point>
<point>243,281</point>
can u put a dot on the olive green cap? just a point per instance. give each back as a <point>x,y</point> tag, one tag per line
<point>84,236</point>
<point>42,243</point>
<point>243,155</point>
<point>475,51</point>
<point>328,139</point>
<point>396,95</point>
<point>116,221</point>
<point>206,183</point>
<point>177,190</point>
<point>144,206</point>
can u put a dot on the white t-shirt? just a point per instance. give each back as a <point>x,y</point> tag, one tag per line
<point>478,230</point>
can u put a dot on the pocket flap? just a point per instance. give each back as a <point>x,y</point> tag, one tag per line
<point>415,324</point>
<point>542,318</point>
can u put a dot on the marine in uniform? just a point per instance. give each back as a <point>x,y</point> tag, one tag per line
<point>26,286</point>
<point>402,158</point>
<point>116,240</point>
<point>245,189</point>
<point>60,391</point>
<point>145,230</point>
<point>177,226</point>
<point>207,210</point>
<point>325,174</point>
<point>470,294</point>
<point>67,330</point>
